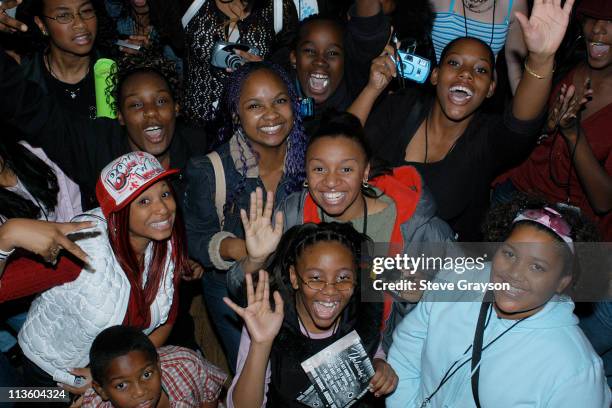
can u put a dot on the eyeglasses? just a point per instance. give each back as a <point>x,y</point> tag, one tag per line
<point>319,285</point>
<point>67,18</point>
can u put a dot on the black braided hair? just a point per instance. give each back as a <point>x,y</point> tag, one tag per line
<point>296,140</point>
<point>298,238</point>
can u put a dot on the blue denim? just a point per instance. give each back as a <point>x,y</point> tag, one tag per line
<point>598,328</point>
<point>201,220</point>
<point>227,324</point>
<point>202,223</point>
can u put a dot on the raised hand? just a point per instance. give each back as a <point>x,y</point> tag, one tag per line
<point>569,102</point>
<point>382,70</point>
<point>261,238</point>
<point>544,30</point>
<point>261,321</point>
<point>7,23</point>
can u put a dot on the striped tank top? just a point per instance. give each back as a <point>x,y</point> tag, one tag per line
<point>449,25</point>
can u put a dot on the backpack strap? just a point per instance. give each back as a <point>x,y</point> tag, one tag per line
<point>220,187</point>
<point>278,16</point>
<point>192,11</point>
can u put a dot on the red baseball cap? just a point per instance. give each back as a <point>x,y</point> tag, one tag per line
<point>599,9</point>
<point>123,179</point>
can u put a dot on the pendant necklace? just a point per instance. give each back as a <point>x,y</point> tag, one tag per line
<point>73,93</point>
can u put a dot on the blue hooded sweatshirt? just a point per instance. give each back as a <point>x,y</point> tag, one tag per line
<point>544,361</point>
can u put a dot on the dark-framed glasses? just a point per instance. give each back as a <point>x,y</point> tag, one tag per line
<point>68,17</point>
<point>319,285</point>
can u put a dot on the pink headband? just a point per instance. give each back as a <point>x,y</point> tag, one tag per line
<point>552,220</point>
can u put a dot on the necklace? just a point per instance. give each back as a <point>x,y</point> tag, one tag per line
<point>73,93</point>
<point>479,6</point>
<point>479,11</point>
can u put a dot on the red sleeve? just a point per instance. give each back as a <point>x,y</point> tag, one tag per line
<point>24,276</point>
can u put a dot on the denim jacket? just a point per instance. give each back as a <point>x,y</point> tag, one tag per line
<point>204,233</point>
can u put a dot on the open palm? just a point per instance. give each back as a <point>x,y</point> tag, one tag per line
<point>261,321</point>
<point>260,236</point>
<point>545,28</point>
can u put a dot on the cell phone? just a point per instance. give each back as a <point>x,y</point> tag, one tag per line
<point>67,378</point>
<point>11,12</point>
<point>123,43</point>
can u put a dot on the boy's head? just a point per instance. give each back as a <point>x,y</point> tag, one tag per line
<point>125,368</point>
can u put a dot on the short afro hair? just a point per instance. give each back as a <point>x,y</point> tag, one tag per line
<point>147,60</point>
<point>114,342</point>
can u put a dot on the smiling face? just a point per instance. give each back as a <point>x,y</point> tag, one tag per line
<point>265,110</point>
<point>598,37</point>
<point>148,111</point>
<point>328,261</point>
<point>75,38</point>
<point>464,79</point>
<point>319,59</point>
<point>133,381</point>
<point>336,167</point>
<point>532,262</point>
<point>152,216</point>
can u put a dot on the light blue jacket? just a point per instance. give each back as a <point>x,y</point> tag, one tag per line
<point>545,361</point>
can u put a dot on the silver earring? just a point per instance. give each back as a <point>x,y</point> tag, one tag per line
<point>365,184</point>
<point>305,184</point>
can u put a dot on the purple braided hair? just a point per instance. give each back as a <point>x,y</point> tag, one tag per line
<point>296,140</point>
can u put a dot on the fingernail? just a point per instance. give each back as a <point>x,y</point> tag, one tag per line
<point>60,385</point>
<point>377,395</point>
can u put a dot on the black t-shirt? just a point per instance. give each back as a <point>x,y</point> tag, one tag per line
<point>460,183</point>
<point>79,146</point>
<point>79,98</point>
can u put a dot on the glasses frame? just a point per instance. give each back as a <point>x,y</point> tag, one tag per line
<point>73,17</point>
<point>334,284</point>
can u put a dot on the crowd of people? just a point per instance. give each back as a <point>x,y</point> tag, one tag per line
<point>247,158</point>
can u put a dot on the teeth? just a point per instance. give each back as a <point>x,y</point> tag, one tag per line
<point>152,128</point>
<point>328,304</point>
<point>333,197</point>
<point>161,224</point>
<point>318,82</point>
<point>459,88</point>
<point>271,129</point>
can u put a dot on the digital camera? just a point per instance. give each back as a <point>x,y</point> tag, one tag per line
<point>224,55</point>
<point>412,67</point>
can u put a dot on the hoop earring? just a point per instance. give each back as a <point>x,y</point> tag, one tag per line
<point>305,184</point>
<point>365,184</point>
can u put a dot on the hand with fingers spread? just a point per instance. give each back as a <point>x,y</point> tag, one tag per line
<point>7,23</point>
<point>260,236</point>
<point>545,28</point>
<point>569,102</point>
<point>385,380</point>
<point>262,322</point>
<point>44,238</point>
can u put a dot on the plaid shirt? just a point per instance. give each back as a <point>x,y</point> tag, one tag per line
<point>187,378</point>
